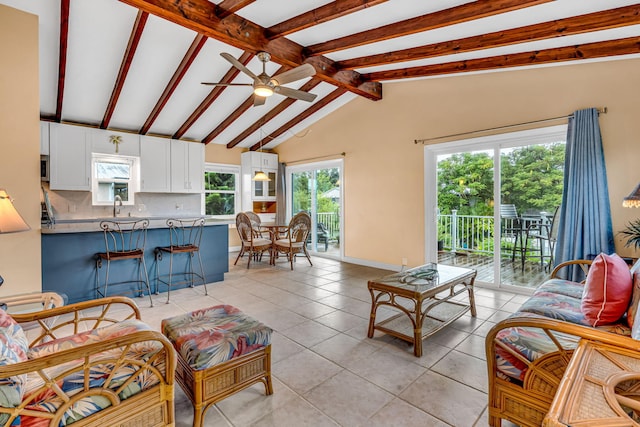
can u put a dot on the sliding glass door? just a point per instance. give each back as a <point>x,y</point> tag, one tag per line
<point>315,188</point>
<point>493,198</point>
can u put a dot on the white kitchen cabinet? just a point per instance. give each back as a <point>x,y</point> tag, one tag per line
<point>187,167</point>
<point>44,138</point>
<point>155,164</point>
<point>259,196</point>
<point>117,143</point>
<point>69,158</point>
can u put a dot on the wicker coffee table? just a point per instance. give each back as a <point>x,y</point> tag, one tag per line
<point>599,388</point>
<point>423,297</point>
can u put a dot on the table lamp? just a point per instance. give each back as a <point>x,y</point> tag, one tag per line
<point>10,219</point>
<point>633,199</point>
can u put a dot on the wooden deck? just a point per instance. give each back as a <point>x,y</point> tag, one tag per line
<point>512,272</point>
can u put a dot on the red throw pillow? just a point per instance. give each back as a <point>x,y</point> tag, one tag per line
<point>607,290</point>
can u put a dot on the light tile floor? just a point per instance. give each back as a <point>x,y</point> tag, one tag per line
<point>326,372</point>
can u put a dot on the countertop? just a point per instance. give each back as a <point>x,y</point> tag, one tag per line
<point>87,225</point>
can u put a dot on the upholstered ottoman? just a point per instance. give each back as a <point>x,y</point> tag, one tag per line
<point>220,351</point>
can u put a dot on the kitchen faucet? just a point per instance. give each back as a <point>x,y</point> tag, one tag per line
<point>116,199</point>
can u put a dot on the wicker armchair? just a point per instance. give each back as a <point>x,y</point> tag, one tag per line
<point>295,238</point>
<point>252,245</point>
<point>96,365</point>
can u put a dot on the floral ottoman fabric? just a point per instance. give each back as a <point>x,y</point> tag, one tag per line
<point>213,335</point>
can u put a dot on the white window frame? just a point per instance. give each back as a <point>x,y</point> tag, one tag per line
<point>133,183</point>
<point>223,168</point>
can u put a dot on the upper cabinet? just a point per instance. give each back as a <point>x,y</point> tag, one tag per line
<point>44,138</point>
<point>155,164</point>
<point>187,167</point>
<point>69,157</point>
<point>117,143</point>
<point>253,162</point>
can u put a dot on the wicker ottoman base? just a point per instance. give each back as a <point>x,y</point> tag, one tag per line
<point>208,386</point>
<point>220,351</point>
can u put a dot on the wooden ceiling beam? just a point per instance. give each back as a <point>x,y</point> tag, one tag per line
<point>328,12</point>
<point>598,21</point>
<point>248,103</point>
<point>442,18</point>
<point>315,107</point>
<point>62,56</point>
<point>625,46</point>
<point>271,114</point>
<point>227,7</point>
<point>175,80</point>
<point>129,53</point>
<point>200,16</point>
<point>212,96</point>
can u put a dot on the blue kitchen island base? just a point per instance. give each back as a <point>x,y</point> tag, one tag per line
<point>69,265</point>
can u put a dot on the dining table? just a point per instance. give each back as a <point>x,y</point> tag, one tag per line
<point>275,230</point>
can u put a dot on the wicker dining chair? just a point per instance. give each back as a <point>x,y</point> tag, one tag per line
<point>252,246</point>
<point>295,238</point>
<point>255,223</point>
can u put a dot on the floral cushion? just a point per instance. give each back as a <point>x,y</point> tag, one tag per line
<point>562,287</point>
<point>213,335</point>
<point>555,306</point>
<point>71,380</point>
<point>13,349</point>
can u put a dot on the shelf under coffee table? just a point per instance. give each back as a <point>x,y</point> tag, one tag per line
<point>424,301</point>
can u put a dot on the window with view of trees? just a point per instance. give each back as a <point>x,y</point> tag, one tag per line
<point>221,190</point>
<point>534,180</point>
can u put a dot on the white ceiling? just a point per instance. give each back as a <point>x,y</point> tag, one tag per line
<point>99,31</point>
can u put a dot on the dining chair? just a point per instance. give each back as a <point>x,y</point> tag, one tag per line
<point>512,228</point>
<point>546,233</point>
<point>124,240</point>
<point>256,223</point>
<point>184,238</point>
<point>252,246</point>
<point>295,238</point>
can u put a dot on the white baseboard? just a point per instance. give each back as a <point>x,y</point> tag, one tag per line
<point>374,264</point>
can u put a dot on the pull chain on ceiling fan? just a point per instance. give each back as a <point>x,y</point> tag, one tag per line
<point>264,85</point>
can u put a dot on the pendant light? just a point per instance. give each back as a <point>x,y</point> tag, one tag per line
<point>260,175</point>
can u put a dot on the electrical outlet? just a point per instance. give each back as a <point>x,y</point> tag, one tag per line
<point>404,262</point>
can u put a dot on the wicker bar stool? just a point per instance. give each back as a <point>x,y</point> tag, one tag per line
<point>124,240</point>
<point>185,236</point>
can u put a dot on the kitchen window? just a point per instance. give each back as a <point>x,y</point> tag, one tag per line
<point>221,190</point>
<point>113,176</point>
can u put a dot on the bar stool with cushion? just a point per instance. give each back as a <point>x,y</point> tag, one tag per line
<point>295,238</point>
<point>220,352</point>
<point>184,238</point>
<point>124,240</point>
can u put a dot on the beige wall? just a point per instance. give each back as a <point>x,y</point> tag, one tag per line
<point>20,148</point>
<point>384,169</point>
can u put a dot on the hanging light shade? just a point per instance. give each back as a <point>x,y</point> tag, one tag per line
<point>10,219</point>
<point>261,176</point>
<point>633,199</point>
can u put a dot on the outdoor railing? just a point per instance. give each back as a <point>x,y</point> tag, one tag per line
<point>331,221</point>
<point>466,232</point>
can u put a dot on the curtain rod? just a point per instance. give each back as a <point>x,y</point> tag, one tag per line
<point>422,141</point>
<point>316,158</point>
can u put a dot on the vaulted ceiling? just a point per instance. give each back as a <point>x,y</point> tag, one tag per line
<point>138,65</point>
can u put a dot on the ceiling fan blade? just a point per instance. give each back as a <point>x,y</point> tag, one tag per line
<point>295,94</point>
<point>258,100</point>
<point>238,65</point>
<point>301,72</point>
<point>226,84</point>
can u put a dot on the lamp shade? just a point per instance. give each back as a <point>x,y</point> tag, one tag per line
<point>261,176</point>
<point>633,199</point>
<point>10,219</point>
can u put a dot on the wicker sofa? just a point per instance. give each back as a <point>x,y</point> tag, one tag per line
<point>527,354</point>
<point>97,364</point>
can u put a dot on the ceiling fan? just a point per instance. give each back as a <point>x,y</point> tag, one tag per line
<point>265,85</point>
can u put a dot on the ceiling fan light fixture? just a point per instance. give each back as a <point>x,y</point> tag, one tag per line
<point>263,90</point>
